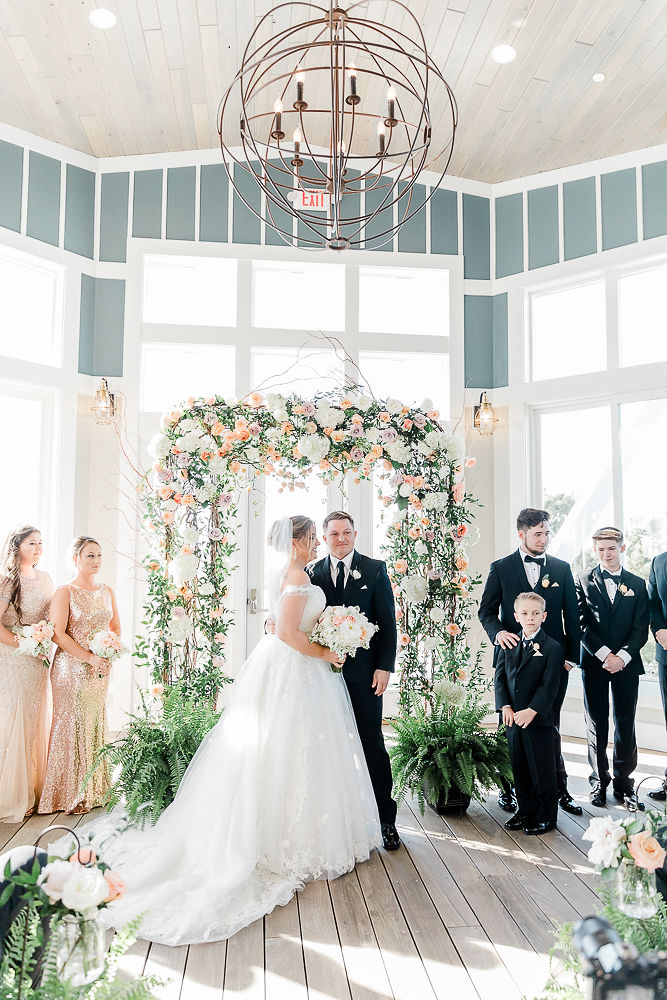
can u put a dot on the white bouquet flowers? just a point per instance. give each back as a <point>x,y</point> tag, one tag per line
<point>344,630</point>
<point>106,644</point>
<point>35,640</point>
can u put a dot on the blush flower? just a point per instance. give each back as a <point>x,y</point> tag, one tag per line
<point>646,851</point>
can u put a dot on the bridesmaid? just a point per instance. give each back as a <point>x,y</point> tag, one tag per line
<point>25,595</point>
<point>80,680</point>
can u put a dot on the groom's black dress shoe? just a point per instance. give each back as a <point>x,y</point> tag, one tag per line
<point>598,796</point>
<point>515,822</point>
<point>568,805</point>
<point>539,828</point>
<point>507,802</point>
<point>390,838</point>
<point>658,794</point>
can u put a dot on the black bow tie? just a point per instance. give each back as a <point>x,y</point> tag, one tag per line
<point>606,575</point>
<point>540,560</point>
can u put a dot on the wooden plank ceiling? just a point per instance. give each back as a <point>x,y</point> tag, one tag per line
<point>153,82</point>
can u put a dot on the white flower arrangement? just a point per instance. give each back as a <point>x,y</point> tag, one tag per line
<point>451,692</point>
<point>35,640</point>
<point>343,630</point>
<point>415,588</point>
<point>106,644</point>
<point>314,447</point>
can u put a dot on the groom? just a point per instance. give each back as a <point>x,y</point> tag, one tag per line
<point>347,577</point>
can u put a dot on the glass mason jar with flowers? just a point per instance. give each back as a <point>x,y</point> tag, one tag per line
<point>627,853</point>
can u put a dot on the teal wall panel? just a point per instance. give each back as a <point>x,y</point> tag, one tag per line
<point>246,227</point>
<point>444,222</point>
<point>509,235</point>
<point>654,199</point>
<point>618,199</point>
<point>11,185</point>
<point>181,183</point>
<point>374,197</point>
<point>113,216</point>
<point>543,227</point>
<point>213,203</point>
<point>101,326</point>
<point>478,341</point>
<point>351,204</point>
<point>43,198</point>
<point>147,205</point>
<point>281,217</point>
<point>500,341</point>
<point>412,234</point>
<point>579,218</point>
<point>79,210</point>
<point>476,237</point>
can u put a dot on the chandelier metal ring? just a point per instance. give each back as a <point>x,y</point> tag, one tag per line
<point>332,113</point>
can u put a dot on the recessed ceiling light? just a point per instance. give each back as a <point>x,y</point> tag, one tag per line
<point>598,77</point>
<point>100,17</point>
<point>503,54</point>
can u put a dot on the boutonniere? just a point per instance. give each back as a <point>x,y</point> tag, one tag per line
<point>536,649</point>
<point>625,590</point>
<point>355,574</point>
<point>545,581</point>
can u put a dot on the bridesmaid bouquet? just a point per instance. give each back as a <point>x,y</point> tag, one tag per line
<point>106,644</point>
<point>344,630</point>
<point>35,640</point>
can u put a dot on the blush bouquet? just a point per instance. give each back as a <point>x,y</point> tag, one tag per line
<point>343,630</point>
<point>106,644</point>
<point>35,640</point>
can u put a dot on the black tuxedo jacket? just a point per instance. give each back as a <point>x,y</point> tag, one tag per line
<point>373,595</point>
<point>530,678</point>
<point>507,579</point>
<point>657,599</point>
<point>621,625</point>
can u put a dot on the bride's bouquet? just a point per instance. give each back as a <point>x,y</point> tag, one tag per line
<point>35,640</point>
<point>344,630</point>
<point>106,644</point>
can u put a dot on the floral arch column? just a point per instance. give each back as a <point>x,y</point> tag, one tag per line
<point>209,454</point>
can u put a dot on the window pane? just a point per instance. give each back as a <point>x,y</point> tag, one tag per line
<point>300,372</point>
<point>576,481</point>
<point>290,296</point>
<point>194,291</point>
<point>31,292</point>
<point>172,372</point>
<point>23,506</point>
<point>404,300</point>
<point>278,502</point>
<point>642,316</point>
<point>568,332</point>
<point>408,377</point>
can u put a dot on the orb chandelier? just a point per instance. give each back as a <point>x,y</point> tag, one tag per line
<point>335,115</point>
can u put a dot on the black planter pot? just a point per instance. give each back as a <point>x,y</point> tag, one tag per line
<point>456,804</point>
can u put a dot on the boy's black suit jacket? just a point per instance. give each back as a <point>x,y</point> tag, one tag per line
<point>507,579</point>
<point>657,598</point>
<point>373,595</point>
<point>530,678</point>
<point>621,625</point>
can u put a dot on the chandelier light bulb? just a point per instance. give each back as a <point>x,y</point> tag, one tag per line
<point>503,54</point>
<point>297,137</point>
<point>300,75</point>
<point>391,94</point>
<point>278,106</point>
<point>100,17</point>
<point>380,127</point>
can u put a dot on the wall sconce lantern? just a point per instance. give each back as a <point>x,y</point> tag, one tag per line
<point>104,407</point>
<point>484,419</point>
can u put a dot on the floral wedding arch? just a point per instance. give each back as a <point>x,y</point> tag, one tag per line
<point>209,454</point>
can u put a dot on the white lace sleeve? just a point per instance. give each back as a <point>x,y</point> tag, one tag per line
<point>302,591</point>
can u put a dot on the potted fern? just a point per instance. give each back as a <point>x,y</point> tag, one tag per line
<point>443,754</point>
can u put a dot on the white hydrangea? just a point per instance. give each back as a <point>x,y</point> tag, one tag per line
<point>437,615</point>
<point>405,490</point>
<point>431,643</point>
<point>398,451</point>
<point>189,442</point>
<point>436,501</point>
<point>217,466</point>
<point>450,691</point>
<point>189,534</point>
<point>159,447</point>
<point>394,406</point>
<point>169,504</point>
<point>361,402</point>
<point>415,588</point>
<point>327,415</point>
<point>253,454</point>
<point>314,447</point>
<point>205,492</point>
<point>274,401</point>
<point>183,568</point>
<point>187,425</point>
<point>206,443</point>
<point>206,589</point>
<point>273,433</point>
<point>421,548</point>
<point>179,629</point>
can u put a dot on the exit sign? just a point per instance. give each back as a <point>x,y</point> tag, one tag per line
<point>314,201</point>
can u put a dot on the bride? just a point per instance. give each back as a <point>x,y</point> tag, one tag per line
<point>278,793</point>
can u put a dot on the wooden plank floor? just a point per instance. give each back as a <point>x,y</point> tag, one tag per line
<point>463,910</point>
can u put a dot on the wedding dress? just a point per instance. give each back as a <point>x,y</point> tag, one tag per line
<point>277,795</point>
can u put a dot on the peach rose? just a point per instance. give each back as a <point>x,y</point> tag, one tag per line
<point>471,463</point>
<point>458,493</point>
<point>234,467</point>
<point>646,851</point>
<point>357,418</point>
<point>217,429</point>
<point>461,531</point>
<point>461,562</point>
<point>384,417</point>
<point>407,425</point>
<point>414,533</point>
<point>172,418</point>
<point>405,639</point>
<point>168,517</point>
<point>338,436</point>
<point>453,629</point>
<point>255,399</point>
<point>401,566</point>
<point>84,856</point>
<point>211,400</point>
<point>345,404</point>
<point>116,886</point>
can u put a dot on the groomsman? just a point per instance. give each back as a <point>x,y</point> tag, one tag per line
<point>530,568</point>
<point>614,613</point>
<point>657,599</point>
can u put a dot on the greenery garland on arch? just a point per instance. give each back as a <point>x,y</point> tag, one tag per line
<point>210,452</point>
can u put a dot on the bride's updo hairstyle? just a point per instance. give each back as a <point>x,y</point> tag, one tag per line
<point>79,543</point>
<point>301,525</point>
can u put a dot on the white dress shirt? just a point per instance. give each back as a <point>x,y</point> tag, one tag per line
<point>532,569</point>
<point>611,585</point>
<point>347,563</point>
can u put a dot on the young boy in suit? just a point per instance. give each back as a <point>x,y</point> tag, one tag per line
<point>527,683</point>
<point>614,615</point>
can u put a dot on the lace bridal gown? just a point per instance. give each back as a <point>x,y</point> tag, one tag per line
<point>277,795</point>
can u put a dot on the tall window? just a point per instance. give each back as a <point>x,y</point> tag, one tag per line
<point>298,296</point>
<point>642,316</point>
<point>195,291</point>
<point>568,331</point>
<point>32,297</point>
<point>170,371</point>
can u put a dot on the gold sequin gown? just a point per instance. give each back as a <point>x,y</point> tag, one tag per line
<point>25,705</point>
<point>79,714</point>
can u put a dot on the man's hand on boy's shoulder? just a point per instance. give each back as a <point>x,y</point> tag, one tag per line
<point>508,715</point>
<point>524,717</point>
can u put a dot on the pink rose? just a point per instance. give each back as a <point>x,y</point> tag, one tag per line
<point>356,431</point>
<point>356,454</point>
<point>116,886</point>
<point>53,878</point>
<point>254,429</point>
<point>84,856</point>
<point>336,620</point>
<point>389,436</point>
<point>646,851</point>
<point>420,421</point>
